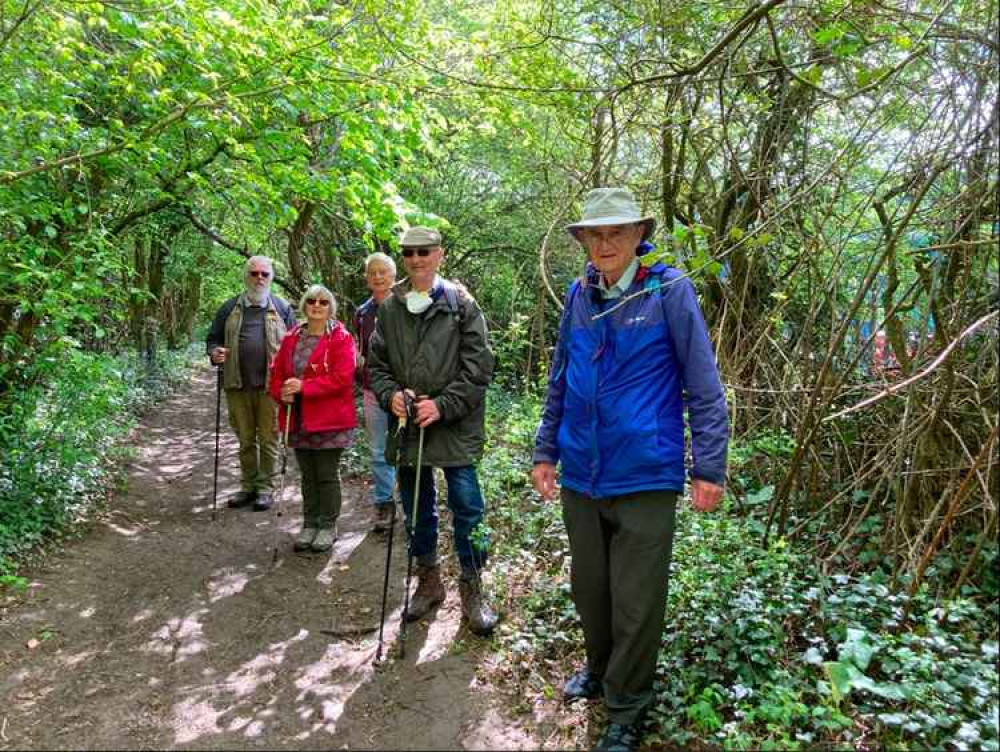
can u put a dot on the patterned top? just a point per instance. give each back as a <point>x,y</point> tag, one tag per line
<point>321,439</point>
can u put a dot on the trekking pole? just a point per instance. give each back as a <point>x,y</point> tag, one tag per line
<point>412,531</point>
<point>281,480</point>
<point>385,581</point>
<point>218,413</point>
<point>401,432</point>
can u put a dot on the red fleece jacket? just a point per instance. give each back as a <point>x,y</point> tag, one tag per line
<point>327,399</point>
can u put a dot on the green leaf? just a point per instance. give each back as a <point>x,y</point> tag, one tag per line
<point>856,648</point>
<point>827,34</point>
<point>841,677</point>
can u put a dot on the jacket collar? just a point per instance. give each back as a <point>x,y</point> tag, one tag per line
<point>402,287</point>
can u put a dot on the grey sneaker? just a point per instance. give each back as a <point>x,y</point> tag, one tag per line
<point>324,539</point>
<point>303,541</point>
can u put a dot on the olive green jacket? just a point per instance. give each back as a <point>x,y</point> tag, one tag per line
<point>443,353</point>
<point>225,332</point>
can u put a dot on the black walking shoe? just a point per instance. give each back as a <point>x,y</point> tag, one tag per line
<point>264,502</point>
<point>619,737</point>
<point>241,499</point>
<point>583,686</point>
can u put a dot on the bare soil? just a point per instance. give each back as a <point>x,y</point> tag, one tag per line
<point>162,629</point>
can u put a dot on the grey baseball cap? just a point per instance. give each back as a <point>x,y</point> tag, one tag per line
<point>420,237</point>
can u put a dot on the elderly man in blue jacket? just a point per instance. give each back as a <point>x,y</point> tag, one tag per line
<point>633,353</point>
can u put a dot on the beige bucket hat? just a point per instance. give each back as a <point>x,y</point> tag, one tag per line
<point>612,206</point>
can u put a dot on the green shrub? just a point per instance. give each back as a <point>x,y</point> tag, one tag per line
<point>761,650</point>
<point>57,441</point>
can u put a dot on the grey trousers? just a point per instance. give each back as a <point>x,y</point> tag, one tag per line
<point>621,548</point>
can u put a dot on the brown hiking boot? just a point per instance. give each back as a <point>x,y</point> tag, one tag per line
<point>429,592</point>
<point>475,608</point>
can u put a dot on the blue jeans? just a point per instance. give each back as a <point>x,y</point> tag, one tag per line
<point>467,507</point>
<point>377,428</point>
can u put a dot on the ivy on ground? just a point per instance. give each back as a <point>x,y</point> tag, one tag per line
<point>761,649</point>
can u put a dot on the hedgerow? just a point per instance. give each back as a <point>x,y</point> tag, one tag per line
<point>59,442</point>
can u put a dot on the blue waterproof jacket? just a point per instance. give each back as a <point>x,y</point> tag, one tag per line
<point>614,414</point>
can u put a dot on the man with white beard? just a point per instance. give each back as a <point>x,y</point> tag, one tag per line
<point>244,338</point>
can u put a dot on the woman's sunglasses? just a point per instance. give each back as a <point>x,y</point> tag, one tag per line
<point>408,252</point>
<point>318,301</point>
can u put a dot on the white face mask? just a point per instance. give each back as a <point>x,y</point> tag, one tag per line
<point>417,302</point>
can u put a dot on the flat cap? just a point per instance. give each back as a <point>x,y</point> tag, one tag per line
<point>420,237</point>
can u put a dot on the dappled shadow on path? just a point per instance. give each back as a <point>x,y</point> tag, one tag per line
<point>164,629</point>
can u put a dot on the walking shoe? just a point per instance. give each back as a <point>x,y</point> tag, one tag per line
<point>619,737</point>
<point>429,592</point>
<point>303,541</point>
<point>264,501</point>
<point>474,606</point>
<point>583,686</point>
<point>383,517</point>
<point>324,539</point>
<point>241,499</point>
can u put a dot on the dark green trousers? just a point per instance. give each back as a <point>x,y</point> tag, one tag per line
<point>621,549</point>
<point>320,469</point>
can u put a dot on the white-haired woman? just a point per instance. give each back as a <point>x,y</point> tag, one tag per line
<point>380,276</point>
<point>314,373</point>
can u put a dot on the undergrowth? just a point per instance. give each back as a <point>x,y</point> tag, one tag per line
<point>761,649</point>
<point>59,443</point>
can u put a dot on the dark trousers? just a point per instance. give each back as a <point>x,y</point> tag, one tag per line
<point>465,499</point>
<point>621,549</point>
<point>321,498</point>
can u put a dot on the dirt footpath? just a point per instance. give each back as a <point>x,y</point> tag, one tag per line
<point>161,629</point>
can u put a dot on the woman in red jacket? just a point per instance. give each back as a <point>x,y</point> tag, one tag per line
<point>314,373</point>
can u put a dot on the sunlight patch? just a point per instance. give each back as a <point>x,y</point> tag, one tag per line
<point>195,717</point>
<point>225,583</point>
<point>180,637</point>
<point>441,634</point>
<point>316,682</point>
<point>127,532</point>
<point>72,661</point>
<point>342,551</point>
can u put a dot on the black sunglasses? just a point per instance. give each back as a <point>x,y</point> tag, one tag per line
<point>321,301</point>
<point>263,275</point>
<point>408,252</point>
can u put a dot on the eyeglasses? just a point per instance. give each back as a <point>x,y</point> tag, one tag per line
<point>318,301</point>
<point>262,275</point>
<point>408,252</point>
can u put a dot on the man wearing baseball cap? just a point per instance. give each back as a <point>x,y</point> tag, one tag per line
<point>431,350</point>
<point>633,356</point>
